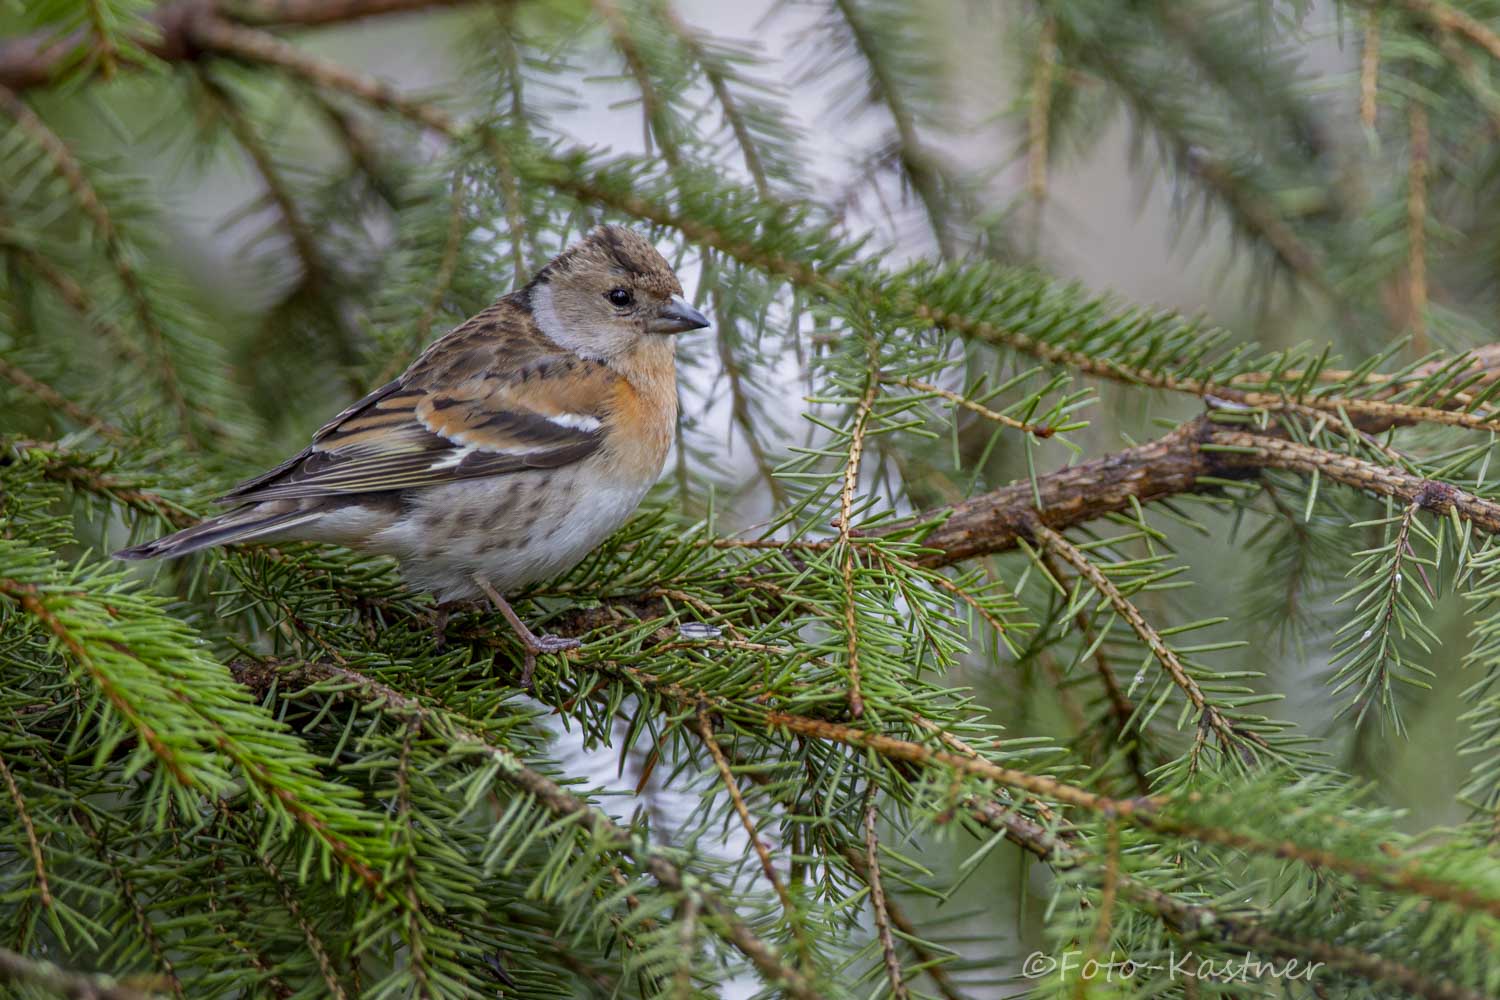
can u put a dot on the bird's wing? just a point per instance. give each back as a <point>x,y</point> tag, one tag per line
<point>494,396</point>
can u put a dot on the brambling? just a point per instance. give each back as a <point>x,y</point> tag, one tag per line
<point>511,448</point>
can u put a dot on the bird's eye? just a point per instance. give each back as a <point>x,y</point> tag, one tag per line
<point>620,298</point>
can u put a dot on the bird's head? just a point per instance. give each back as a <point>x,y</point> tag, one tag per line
<point>606,293</point>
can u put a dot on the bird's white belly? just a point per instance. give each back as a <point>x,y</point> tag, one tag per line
<point>512,530</point>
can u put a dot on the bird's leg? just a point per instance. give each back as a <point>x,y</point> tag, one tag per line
<point>441,613</point>
<point>530,641</point>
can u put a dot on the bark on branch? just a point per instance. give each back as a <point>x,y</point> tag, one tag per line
<point>40,59</point>
<point>1194,458</point>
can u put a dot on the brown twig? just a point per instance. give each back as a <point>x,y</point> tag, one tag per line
<point>49,396</point>
<point>877,900</point>
<point>739,408</point>
<point>1416,225</point>
<point>1194,458</point>
<point>1120,709</point>
<point>1265,451</point>
<point>1369,70</point>
<point>309,933</point>
<point>225,38</point>
<point>980,767</point>
<point>42,59</point>
<point>706,732</point>
<point>659,124</point>
<point>19,970</point>
<point>693,45</point>
<point>917,162</point>
<point>1452,20</point>
<point>846,529</point>
<point>1039,127</point>
<point>44,890</point>
<point>917,385</point>
<point>1223,727</point>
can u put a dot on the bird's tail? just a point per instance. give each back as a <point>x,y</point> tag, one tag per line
<point>243,524</point>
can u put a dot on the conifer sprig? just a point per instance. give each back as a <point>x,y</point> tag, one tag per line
<point>940,611</point>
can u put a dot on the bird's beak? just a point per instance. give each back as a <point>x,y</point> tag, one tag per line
<point>677,316</point>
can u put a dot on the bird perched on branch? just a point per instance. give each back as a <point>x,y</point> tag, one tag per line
<point>511,448</point>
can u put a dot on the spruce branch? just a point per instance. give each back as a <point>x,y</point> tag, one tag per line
<point>309,934</point>
<point>1039,117</point>
<point>918,164</point>
<point>77,298</point>
<point>1196,922</point>
<point>216,35</point>
<point>1451,20</point>
<point>132,898</point>
<point>358,145</point>
<point>661,126</point>
<point>834,692</point>
<point>958,399</point>
<point>222,37</point>
<point>44,59</point>
<point>1369,70</point>
<point>557,800</point>
<point>511,187</point>
<point>731,784</point>
<point>32,600</point>
<point>131,652</point>
<point>1416,223</point>
<point>1153,814</point>
<point>1369,657</point>
<point>18,970</point>
<point>903,750</point>
<point>317,279</point>
<point>856,857</point>
<point>1121,710</point>
<point>444,279</point>
<point>65,164</point>
<point>850,558</point>
<point>44,393</point>
<point>1231,737</point>
<point>43,889</point>
<point>718,76</point>
<point>740,405</point>
<point>1176,118</point>
<point>878,901</point>
<point>82,472</point>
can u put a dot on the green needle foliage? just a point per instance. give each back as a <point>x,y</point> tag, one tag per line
<point>987,635</point>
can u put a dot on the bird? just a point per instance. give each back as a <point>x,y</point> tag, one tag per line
<point>508,450</point>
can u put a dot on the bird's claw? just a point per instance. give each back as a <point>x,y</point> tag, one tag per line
<point>538,644</point>
<point>555,644</point>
